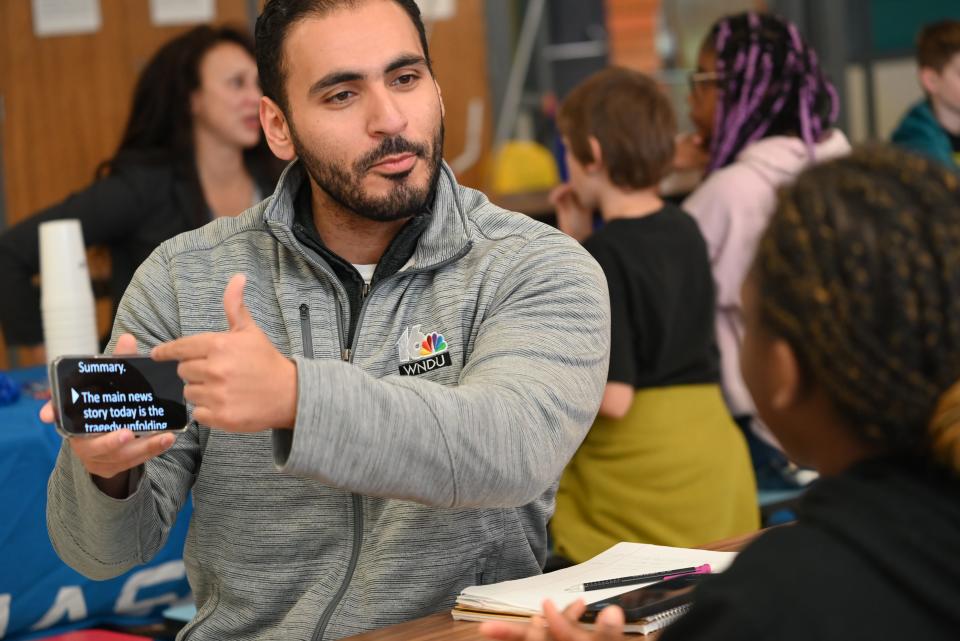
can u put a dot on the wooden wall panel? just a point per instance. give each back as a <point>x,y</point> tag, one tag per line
<point>459,51</point>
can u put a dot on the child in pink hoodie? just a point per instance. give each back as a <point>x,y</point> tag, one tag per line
<point>764,112</point>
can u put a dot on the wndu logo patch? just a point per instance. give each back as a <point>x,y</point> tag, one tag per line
<point>421,353</point>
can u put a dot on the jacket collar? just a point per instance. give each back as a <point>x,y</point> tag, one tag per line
<point>445,238</point>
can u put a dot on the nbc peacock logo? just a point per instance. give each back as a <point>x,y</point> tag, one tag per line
<point>433,344</point>
<point>420,353</point>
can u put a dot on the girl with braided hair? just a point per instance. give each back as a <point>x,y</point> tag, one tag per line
<point>852,353</point>
<point>764,111</point>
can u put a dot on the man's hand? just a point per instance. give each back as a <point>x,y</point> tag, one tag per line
<point>110,457</point>
<point>559,626</point>
<point>573,218</point>
<point>236,380</point>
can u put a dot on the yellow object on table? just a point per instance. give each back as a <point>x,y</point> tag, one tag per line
<point>523,166</point>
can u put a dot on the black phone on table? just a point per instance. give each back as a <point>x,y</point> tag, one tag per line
<point>650,599</point>
<point>100,394</point>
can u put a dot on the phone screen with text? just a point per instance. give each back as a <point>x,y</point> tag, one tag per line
<point>96,395</point>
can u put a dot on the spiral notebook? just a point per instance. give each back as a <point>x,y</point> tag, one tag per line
<point>646,625</point>
<point>655,622</point>
<point>520,599</point>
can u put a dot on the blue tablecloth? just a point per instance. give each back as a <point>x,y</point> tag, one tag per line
<point>39,594</point>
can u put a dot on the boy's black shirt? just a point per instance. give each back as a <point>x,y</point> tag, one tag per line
<point>661,299</point>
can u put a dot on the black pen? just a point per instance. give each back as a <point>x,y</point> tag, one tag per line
<point>640,578</point>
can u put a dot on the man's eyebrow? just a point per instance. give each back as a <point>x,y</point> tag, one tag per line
<point>337,77</point>
<point>409,60</point>
<point>334,78</point>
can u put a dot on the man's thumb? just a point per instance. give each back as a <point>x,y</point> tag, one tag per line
<point>238,317</point>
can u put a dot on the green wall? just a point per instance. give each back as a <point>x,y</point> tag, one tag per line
<point>896,22</point>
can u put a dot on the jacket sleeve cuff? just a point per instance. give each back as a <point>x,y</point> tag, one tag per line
<point>296,451</point>
<point>101,528</point>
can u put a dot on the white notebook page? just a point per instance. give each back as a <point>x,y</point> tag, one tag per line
<point>525,596</point>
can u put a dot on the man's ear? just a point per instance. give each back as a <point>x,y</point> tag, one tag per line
<point>443,109</point>
<point>929,80</point>
<point>786,379</point>
<point>596,152</point>
<point>276,129</point>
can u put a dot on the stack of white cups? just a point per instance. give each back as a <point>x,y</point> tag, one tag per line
<point>66,297</point>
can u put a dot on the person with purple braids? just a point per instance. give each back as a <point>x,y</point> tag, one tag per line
<point>764,112</point>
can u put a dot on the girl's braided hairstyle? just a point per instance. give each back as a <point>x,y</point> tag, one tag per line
<point>770,84</point>
<point>859,271</point>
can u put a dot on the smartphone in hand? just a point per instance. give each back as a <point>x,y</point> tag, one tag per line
<point>100,394</point>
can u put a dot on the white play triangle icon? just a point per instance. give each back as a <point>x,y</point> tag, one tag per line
<point>74,394</point>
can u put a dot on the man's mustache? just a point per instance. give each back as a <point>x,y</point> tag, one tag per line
<point>389,147</point>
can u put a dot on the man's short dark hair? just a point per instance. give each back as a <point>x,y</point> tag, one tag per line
<point>275,22</point>
<point>937,44</point>
<point>632,120</point>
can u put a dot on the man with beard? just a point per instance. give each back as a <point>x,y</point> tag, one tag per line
<point>386,372</point>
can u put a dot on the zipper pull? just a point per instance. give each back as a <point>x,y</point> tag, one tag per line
<point>364,290</point>
<point>345,355</point>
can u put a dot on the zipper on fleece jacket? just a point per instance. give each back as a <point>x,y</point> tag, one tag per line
<point>347,355</point>
<point>307,337</point>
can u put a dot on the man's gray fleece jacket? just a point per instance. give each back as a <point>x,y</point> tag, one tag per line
<point>392,493</point>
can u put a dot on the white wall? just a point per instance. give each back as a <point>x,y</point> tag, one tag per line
<point>895,89</point>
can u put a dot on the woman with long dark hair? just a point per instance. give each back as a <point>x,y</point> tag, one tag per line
<point>192,150</point>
